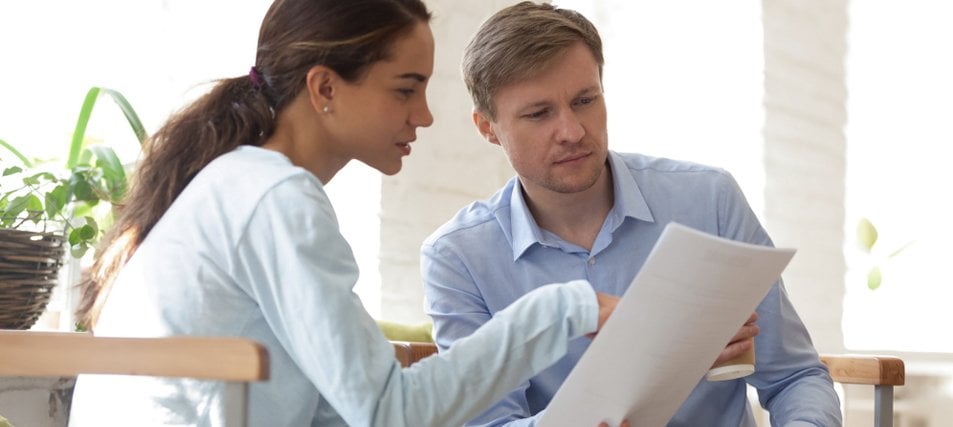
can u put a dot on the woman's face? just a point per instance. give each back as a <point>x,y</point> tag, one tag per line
<point>378,116</point>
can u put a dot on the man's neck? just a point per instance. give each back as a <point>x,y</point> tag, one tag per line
<point>574,217</point>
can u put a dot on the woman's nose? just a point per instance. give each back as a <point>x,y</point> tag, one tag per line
<point>421,116</point>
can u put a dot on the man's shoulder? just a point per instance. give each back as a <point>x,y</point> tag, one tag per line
<point>661,172</point>
<point>643,163</point>
<point>475,218</point>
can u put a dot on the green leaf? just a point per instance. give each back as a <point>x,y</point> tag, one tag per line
<point>79,133</point>
<point>38,178</point>
<point>31,180</point>
<point>79,250</point>
<point>874,278</point>
<point>80,187</point>
<point>12,170</point>
<point>902,248</point>
<point>15,208</point>
<point>10,148</point>
<point>28,202</point>
<point>866,235</point>
<point>113,172</point>
<point>82,234</point>
<point>91,222</point>
<point>130,113</point>
<point>34,203</point>
<point>56,200</point>
<point>81,239</point>
<point>82,209</point>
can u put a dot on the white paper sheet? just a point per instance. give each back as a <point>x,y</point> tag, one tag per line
<point>691,296</point>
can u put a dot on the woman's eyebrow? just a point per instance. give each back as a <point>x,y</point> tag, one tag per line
<point>414,76</point>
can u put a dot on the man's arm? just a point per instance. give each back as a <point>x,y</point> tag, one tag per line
<point>458,308</point>
<point>792,383</point>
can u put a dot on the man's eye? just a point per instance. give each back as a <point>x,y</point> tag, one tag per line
<point>537,114</point>
<point>586,100</point>
<point>406,93</point>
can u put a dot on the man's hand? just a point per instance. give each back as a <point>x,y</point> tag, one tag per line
<point>741,342</point>
<point>606,306</point>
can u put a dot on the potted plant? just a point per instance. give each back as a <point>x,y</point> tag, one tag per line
<point>45,207</point>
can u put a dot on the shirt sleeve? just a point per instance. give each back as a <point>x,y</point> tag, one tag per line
<point>301,271</point>
<point>458,310</point>
<point>792,383</point>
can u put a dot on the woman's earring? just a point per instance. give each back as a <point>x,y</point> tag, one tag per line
<point>326,109</point>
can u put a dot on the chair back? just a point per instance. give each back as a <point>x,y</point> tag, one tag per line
<point>236,361</point>
<point>882,372</point>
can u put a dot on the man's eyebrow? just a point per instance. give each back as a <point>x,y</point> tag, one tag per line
<point>535,105</point>
<point>414,76</point>
<point>590,89</point>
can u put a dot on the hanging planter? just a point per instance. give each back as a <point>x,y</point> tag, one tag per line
<point>34,196</point>
<point>29,266</point>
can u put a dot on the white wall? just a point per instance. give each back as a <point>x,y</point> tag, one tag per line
<point>804,154</point>
<point>451,164</point>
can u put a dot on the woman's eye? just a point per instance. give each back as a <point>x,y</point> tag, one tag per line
<point>406,93</point>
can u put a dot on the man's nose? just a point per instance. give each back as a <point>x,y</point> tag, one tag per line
<point>569,127</point>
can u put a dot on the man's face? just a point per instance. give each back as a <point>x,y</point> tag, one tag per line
<point>552,126</point>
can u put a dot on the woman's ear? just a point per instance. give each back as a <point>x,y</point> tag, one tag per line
<point>485,127</point>
<point>321,82</point>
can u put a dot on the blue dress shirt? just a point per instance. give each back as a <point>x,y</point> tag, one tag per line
<point>492,252</point>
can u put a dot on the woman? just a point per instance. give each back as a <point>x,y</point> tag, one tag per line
<point>228,232</point>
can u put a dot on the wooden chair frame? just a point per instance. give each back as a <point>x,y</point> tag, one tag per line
<point>236,361</point>
<point>408,352</point>
<point>239,361</point>
<point>883,372</point>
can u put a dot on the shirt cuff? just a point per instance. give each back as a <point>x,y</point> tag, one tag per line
<point>585,296</point>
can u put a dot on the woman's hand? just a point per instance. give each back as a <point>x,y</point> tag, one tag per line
<point>607,305</point>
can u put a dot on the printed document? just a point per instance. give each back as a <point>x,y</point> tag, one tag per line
<point>685,304</point>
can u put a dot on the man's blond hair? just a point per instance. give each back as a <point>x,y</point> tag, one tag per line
<point>518,42</point>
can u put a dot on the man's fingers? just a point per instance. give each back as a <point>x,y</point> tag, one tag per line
<point>746,332</point>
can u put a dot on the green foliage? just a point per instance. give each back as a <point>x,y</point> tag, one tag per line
<point>867,240</point>
<point>77,197</point>
<point>866,235</point>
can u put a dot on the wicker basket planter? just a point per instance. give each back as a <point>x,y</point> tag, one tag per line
<point>29,268</point>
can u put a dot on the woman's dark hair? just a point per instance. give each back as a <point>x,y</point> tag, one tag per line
<point>347,36</point>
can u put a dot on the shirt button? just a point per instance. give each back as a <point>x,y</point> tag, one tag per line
<point>592,261</point>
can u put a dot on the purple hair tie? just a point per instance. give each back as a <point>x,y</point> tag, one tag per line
<point>255,77</point>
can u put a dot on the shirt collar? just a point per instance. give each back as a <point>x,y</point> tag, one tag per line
<point>629,202</point>
<point>523,228</point>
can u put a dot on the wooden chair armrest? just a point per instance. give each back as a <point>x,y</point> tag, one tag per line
<point>408,352</point>
<point>55,354</point>
<point>865,369</point>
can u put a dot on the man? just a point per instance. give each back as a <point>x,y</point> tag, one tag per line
<point>576,210</point>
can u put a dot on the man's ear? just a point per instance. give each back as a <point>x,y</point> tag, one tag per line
<point>321,82</point>
<point>485,127</point>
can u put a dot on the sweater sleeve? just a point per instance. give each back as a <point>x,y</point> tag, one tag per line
<point>301,271</point>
